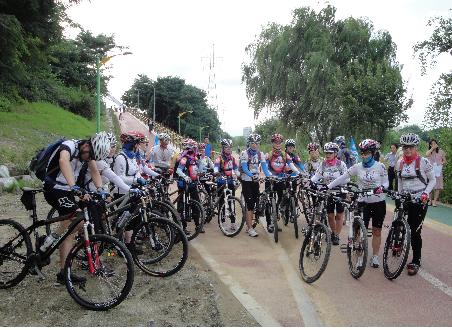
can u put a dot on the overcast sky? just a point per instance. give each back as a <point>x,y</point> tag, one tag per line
<point>170,38</point>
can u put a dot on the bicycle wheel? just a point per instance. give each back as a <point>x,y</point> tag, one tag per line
<point>232,224</point>
<point>357,249</point>
<point>315,253</point>
<point>164,245</point>
<point>293,216</point>
<point>274,217</point>
<point>168,211</point>
<point>106,270</point>
<point>194,220</point>
<point>397,248</point>
<point>51,228</point>
<point>15,247</point>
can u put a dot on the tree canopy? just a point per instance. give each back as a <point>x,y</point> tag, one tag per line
<point>327,76</point>
<point>172,97</point>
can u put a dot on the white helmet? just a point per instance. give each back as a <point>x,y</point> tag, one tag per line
<point>330,147</point>
<point>164,137</point>
<point>409,139</point>
<point>289,143</point>
<point>112,139</point>
<point>101,145</point>
<point>254,138</point>
<point>226,143</point>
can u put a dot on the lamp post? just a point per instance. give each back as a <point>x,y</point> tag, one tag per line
<point>180,115</point>
<point>200,130</point>
<point>153,116</point>
<point>99,63</point>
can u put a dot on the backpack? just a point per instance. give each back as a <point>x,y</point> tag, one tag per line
<point>40,162</point>
<point>417,167</point>
<point>176,165</point>
<point>114,160</point>
<point>259,156</point>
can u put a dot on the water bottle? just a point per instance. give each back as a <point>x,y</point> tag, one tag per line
<point>122,219</point>
<point>49,241</point>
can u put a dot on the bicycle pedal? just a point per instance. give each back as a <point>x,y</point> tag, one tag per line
<point>343,247</point>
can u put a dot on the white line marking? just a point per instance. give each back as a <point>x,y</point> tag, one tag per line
<point>305,305</point>
<point>435,282</point>
<point>252,306</point>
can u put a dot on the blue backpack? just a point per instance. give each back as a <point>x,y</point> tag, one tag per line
<point>39,163</point>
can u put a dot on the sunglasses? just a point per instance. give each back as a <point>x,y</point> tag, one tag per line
<point>407,147</point>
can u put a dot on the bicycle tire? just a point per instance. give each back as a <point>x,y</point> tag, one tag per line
<point>13,237</point>
<point>293,214</point>
<point>389,247</point>
<point>195,204</point>
<point>313,233</point>
<point>274,217</point>
<point>357,272</point>
<point>101,245</point>
<point>168,210</point>
<point>50,215</point>
<point>241,212</point>
<point>162,265</point>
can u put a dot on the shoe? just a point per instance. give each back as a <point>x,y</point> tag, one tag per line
<point>133,249</point>
<point>252,232</point>
<point>374,261</point>
<point>335,239</point>
<point>270,228</point>
<point>359,263</point>
<point>75,279</point>
<point>233,227</point>
<point>413,268</point>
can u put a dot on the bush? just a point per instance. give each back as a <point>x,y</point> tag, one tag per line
<point>445,141</point>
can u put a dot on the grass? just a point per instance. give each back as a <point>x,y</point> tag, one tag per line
<point>31,126</point>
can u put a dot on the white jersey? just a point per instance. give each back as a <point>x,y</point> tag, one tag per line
<point>408,180</point>
<point>107,176</point>
<point>127,169</point>
<point>253,163</point>
<point>161,155</point>
<point>204,163</point>
<point>367,178</point>
<point>329,173</point>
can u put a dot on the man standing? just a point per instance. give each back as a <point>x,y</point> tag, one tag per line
<point>208,147</point>
<point>162,153</point>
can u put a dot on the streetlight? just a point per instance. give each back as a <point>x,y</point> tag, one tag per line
<point>200,130</point>
<point>180,115</point>
<point>153,116</point>
<point>99,63</point>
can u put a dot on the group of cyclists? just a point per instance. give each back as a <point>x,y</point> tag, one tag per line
<point>94,165</point>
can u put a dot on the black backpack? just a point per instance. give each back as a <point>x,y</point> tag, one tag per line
<point>40,162</point>
<point>176,165</point>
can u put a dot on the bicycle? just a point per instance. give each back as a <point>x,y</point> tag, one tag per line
<point>398,242</point>
<point>289,205</point>
<point>316,245</point>
<point>268,196</point>
<point>101,258</point>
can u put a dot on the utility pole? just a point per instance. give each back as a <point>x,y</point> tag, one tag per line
<point>153,117</point>
<point>138,99</point>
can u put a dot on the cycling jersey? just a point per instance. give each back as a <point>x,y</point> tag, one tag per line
<point>293,164</point>
<point>226,165</point>
<point>329,172</point>
<point>313,165</point>
<point>188,167</point>
<point>107,176</point>
<point>408,180</point>
<point>249,163</point>
<point>204,163</point>
<point>367,178</point>
<point>161,155</point>
<point>276,163</point>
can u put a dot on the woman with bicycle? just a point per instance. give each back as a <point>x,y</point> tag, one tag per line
<point>370,175</point>
<point>415,176</point>
<point>330,169</point>
<point>314,160</point>
<point>226,167</point>
<point>250,159</point>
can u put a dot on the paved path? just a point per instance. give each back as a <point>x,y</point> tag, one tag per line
<point>264,277</point>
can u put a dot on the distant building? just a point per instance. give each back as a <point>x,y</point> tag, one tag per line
<point>247,131</point>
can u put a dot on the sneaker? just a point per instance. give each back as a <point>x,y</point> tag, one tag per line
<point>74,278</point>
<point>359,262</point>
<point>233,227</point>
<point>133,249</point>
<point>374,261</point>
<point>335,239</point>
<point>252,232</point>
<point>270,228</point>
<point>413,268</point>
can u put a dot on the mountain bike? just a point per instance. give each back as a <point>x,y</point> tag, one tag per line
<point>102,263</point>
<point>289,208</point>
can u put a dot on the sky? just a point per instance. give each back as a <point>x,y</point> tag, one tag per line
<point>175,38</point>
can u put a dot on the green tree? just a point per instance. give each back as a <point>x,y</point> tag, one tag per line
<point>438,113</point>
<point>326,76</point>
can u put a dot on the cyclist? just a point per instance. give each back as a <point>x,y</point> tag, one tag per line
<point>62,183</point>
<point>344,153</point>
<point>415,176</point>
<point>276,163</point>
<point>314,158</point>
<point>330,169</point>
<point>370,175</point>
<point>187,172</point>
<point>204,163</point>
<point>161,154</point>
<point>250,159</point>
<point>128,166</point>
<point>226,166</point>
<point>293,161</point>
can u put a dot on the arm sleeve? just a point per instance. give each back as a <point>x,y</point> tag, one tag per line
<point>116,180</point>
<point>148,171</point>
<point>428,168</point>
<point>216,166</point>
<point>245,169</point>
<point>384,177</point>
<point>120,169</point>
<point>317,175</point>
<point>344,178</point>
<point>180,168</point>
<point>265,168</point>
<point>293,167</point>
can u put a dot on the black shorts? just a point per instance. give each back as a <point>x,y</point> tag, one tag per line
<point>62,200</point>
<point>374,211</point>
<point>250,191</point>
<point>332,205</point>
